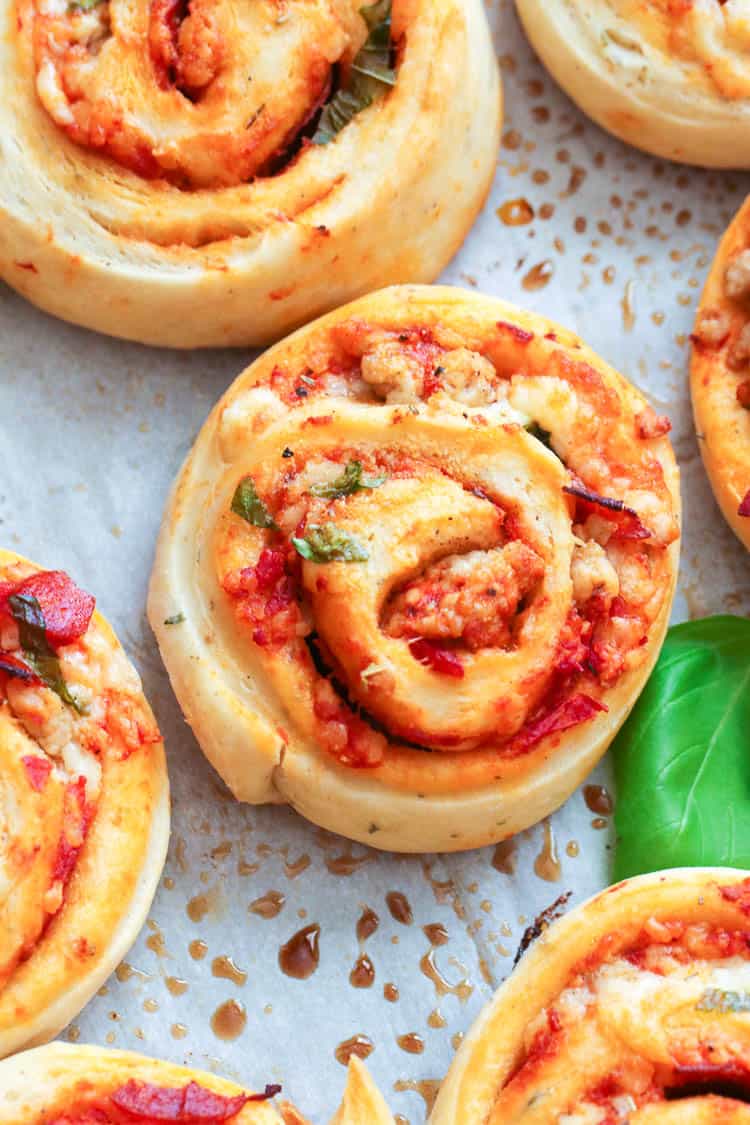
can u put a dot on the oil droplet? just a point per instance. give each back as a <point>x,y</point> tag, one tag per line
<point>577,176</point>
<point>179,854</point>
<point>203,904</point>
<point>299,957</point>
<point>457,1040</point>
<point>225,969</point>
<point>412,1043</point>
<point>197,949</point>
<point>176,985</point>
<point>124,972</point>
<point>547,863</point>
<point>436,1018</point>
<point>228,1021</point>
<point>504,857</point>
<point>293,868</point>
<point>515,212</point>
<point>346,864</point>
<point>400,908</point>
<point>363,973</point>
<point>150,1006</point>
<point>538,276</point>
<point>427,1088</point>
<point>245,868</point>
<point>390,992</point>
<point>627,304</point>
<point>155,941</point>
<point>462,989</point>
<point>179,1030</point>
<point>598,822</point>
<point>435,933</point>
<point>73,1033</point>
<point>367,924</point>
<point>268,905</point>
<point>598,800</point>
<point>401,1120</point>
<point>359,1045</point>
<point>573,849</point>
<point>222,850</point>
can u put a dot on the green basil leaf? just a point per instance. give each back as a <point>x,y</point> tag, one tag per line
<point>247,504</point>
<point>351,480</point>
<point>175,619</point>
<point>682,764</point>
<point>371,75</point>
<point>327,543</point>
<point>32,631</point>
<point>83,5</point>
<point>719,1000</point>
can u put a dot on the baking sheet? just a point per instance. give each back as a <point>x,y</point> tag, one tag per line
<point>93,432</point>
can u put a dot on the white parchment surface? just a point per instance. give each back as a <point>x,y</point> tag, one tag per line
<point>93,432</point>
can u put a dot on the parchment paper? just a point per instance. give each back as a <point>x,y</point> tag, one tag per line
<point>93,432</point>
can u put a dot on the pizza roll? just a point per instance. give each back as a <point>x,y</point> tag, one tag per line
<point>634,1009</point>
<point>84,807</point>
<point>671,77</point>
<point>200,173</point>
<point>422,557</point>
<point>65,1085</point>
<point>720,375</point>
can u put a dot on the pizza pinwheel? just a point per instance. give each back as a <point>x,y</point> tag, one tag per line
<point>671,77</point>
<point>84,810</point>
<point>201,172</point>
<point>422,558</point>
<point>70,1085</point>
<point>720,375</point>
<point>634,1009</point>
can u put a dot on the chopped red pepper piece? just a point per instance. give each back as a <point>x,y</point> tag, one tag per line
<point>67,610</point>
<point>739,893</point>
<point>37,770</point>
<point>442,660</point>
<point>191,1104</point>
<point>627,520</point>
<point>744,508</point>
<point>578,709</point>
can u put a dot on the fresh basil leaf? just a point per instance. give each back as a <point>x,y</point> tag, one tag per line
<point>370,78</point>
<point>32,633</point>
<point>83,5</point>
<point>175,619</point>
<point>247,504</point>
<point>351,480</point>
<point>327,543</point>
<point>682,764</point>
<point>719,1000</point>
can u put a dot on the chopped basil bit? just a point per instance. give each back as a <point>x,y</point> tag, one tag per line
<point>351,480</point>
<point>540,434</point>
<point>83,5</point>
<point>717,1000</point>
<point>371,75</point>
<point>247,504</point>
<point>328,543</point>
<point>175,619</point>
<point>39,654</point>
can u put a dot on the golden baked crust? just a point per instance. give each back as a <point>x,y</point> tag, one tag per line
<point>493,611</point>
<point>84,810</point>
<point>75,1085</point>
<point>157,180</point>
<point>720,374</point>
<point>634,1007</point>
<point>671,77</point>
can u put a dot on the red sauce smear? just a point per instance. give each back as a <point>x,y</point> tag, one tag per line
<point>629,525</point>
<point>738,893</point>
<point>37,770</point>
